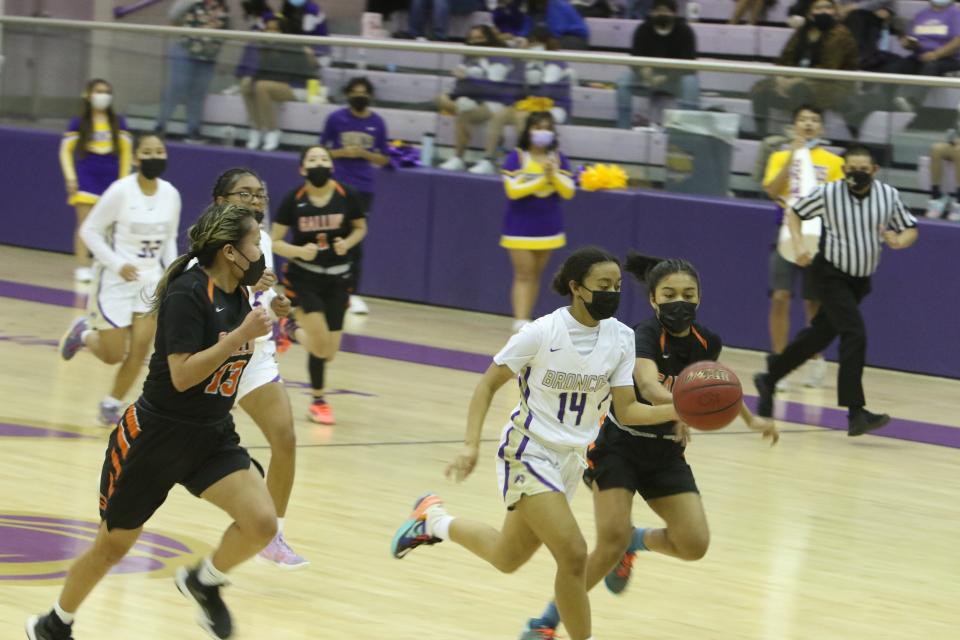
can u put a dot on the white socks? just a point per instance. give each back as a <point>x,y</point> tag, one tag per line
<point>209,575</point>
<point>438,522</point>
<point>280,525</point>
<point>66,618</point>
<point>86,334</point>
<point>113,402</point>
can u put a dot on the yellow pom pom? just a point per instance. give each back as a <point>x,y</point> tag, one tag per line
<point>603,176</point>
<point>534,103</point>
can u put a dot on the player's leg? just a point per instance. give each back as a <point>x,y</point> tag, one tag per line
<point>141,334</point>
<point>686,535</point>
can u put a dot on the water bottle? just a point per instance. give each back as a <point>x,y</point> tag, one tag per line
<point>426,150</point>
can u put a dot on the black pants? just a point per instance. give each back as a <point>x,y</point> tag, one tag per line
<point>356,254</point>
<point>840,296</point>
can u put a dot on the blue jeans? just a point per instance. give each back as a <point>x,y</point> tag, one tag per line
<point>441,17</point>
<point>686,87</point>
<point>189,82</point>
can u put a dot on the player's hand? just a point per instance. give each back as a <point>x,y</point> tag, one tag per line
<point>129,272</point>
<point>340,247</point>
<point>280,305</point>
<point>464,464</point>
<point>256,324</point>
<point>804,259</point>
<point>681,431</point>
<point>267,280</point>
<point>309,251</point>
<point>71,186</point>
<point>766,426</point>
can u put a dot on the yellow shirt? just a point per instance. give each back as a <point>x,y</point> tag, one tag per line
<point>827,167</point>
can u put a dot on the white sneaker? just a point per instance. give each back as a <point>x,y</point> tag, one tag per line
<point>453,163</point>
<point>254,139</point>
<point>483,168</point>
<point>784,386</point>
<point>816,373</point>
<point>271,140</point>
<point>83,274</point>
<point>953,213</point>
<point>358,306</point>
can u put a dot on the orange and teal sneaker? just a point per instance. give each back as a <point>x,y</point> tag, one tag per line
<point>618,579</point>
<point>321,413</point>
<point>414,532</point>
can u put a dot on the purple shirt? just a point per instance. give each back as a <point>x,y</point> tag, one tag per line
<point>343,129</point>
<point>933,28</point>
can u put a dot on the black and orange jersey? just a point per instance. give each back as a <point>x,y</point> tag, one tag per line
<point>322,225</point>
<point>194,316</point>
<point>671,353</point>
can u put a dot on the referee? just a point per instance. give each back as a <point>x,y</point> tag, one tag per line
<point>859,215</point>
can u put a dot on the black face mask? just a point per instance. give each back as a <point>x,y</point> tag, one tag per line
<point>859,180</point>
<point>153,168</point>
<point>319,176</point>
<point>677,316</point>
<point>358,103</point>
<point>824,21</point>
<point>254,271</point>
<point>662,22</point>
<point>603,305</point>
<point>258,216</point>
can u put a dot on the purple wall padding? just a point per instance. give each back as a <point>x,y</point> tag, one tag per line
<point>434,239</point>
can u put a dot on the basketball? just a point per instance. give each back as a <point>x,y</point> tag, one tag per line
<point>707,395</point>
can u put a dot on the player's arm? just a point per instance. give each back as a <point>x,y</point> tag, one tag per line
<point>647,377</point>
<point>493,378</point>
<point>631,412</point>
<point>358,233</point>
<point>96,228</point>
<point>190,369</point>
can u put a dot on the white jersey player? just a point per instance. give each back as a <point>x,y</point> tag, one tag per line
<point>261,392</point>
<point>132,233</point>
<point>570,366</point>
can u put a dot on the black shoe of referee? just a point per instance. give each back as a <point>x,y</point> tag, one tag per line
<point>213,614</point>
<point>862,421</point>
<point>764,395</point>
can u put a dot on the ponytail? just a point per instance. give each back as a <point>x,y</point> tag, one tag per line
<point>650,270</point>
<point>218,225</point>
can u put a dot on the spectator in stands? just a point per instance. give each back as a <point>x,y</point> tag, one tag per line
<point>870,21</point>
<point>757,9</point>
<point>663,35</point>
<point>440,12</point>
<point>941,203</point>
<point>192,62</point>
<point>636,9</point>
<point>790,175</point>
<point>357,139</point>
<point>933,37</point>
<point>305,17</point>
<point>521,17</point>
<point>270,73</point>
<point>531,86</point>
<point>477,80</point>
<point>820,43</point>
<point>536,177</point>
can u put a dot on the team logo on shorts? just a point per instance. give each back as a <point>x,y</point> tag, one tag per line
<point>36,549</point>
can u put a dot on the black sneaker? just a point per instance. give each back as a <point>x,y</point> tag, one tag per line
<point>213,615</point>
<point>48,627</point>
<point>765,392</point>
<point>864,421</point>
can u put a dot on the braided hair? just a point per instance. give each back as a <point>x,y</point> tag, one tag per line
<point>218,225</point>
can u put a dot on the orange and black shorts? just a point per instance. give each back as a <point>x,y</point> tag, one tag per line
<point>148,454</point>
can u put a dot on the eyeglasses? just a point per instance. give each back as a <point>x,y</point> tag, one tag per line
<point>246,197</point>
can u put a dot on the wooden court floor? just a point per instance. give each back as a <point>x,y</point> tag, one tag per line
<point>820,537</point>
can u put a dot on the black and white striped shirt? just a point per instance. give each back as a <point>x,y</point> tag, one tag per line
<point>852,226</point>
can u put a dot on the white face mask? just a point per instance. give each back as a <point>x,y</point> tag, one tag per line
<point>101,101</point>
